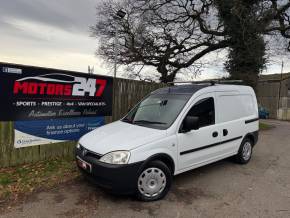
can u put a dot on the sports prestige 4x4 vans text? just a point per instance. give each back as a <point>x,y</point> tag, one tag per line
<point>172,130</point>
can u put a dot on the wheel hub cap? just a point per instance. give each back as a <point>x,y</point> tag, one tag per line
<point>247,151</point>
<point>151,182</point>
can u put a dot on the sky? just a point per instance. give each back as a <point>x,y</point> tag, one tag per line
<point>55,34</point>
<point>49,33</point>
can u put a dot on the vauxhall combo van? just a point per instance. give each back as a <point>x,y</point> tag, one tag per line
<point>172,130</point>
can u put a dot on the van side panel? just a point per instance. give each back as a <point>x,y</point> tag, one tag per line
<point>230,121</point>
<point>238,115</point>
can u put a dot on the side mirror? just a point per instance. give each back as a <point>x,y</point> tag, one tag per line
<point>190,123</point>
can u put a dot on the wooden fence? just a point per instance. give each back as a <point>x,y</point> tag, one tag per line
<point>126,94</point>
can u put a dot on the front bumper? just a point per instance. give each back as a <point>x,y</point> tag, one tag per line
<point>115,178</point>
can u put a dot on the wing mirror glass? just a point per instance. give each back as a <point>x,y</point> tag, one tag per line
<point>190,123</point>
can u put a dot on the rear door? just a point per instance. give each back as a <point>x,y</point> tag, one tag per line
<point>198,146</point>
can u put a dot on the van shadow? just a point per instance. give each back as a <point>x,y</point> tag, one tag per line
<point>183,192</point>
<point>207,169</point>
<point>179,185</point>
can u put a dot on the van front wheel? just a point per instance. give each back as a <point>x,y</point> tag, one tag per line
<point>154,181</point>
<point>245,152</point>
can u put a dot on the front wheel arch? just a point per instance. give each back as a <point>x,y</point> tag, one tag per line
<point>165,158</point>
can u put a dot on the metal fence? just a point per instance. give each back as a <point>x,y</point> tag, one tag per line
<point>268,93</point>
<point>126,94</point>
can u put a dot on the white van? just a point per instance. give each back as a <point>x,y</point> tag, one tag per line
<point>172,130</point>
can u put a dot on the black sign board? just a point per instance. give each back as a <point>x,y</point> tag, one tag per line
<point>29,93</point>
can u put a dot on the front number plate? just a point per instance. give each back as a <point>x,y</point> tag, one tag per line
<point>84,165</point>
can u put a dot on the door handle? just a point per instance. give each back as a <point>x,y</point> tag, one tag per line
<point>225,132</point>
<point>215,134</point>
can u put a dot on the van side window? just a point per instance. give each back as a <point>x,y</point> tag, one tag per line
<point>204,110</point>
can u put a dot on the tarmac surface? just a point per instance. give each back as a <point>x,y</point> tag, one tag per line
<point>223,189</point>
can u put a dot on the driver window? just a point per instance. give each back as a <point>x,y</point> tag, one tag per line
<point>204,110</point>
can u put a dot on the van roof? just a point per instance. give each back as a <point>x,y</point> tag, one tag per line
<point>190,89</point>
<point>180,89</point>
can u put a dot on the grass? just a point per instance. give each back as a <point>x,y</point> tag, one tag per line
<point>29,177</point>
<point>264,126</point>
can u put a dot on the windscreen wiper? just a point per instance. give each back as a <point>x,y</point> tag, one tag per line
<point>148,122</point>
<point>127,120</point>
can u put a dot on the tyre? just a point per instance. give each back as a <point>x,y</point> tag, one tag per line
<point>154,181</point>
<point>245,152</point>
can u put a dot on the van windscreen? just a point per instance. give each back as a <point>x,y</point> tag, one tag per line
<point>157,111</point>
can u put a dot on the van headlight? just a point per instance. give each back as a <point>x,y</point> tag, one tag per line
<point>116,157</point>
<point>78,146</point>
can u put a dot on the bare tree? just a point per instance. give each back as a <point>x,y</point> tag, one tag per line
<point>246,23</point>
<point>276,19</point>
<point>172,36</point>
<point>167,35</point>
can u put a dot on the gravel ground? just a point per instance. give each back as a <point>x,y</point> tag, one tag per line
<point>223,189</point>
